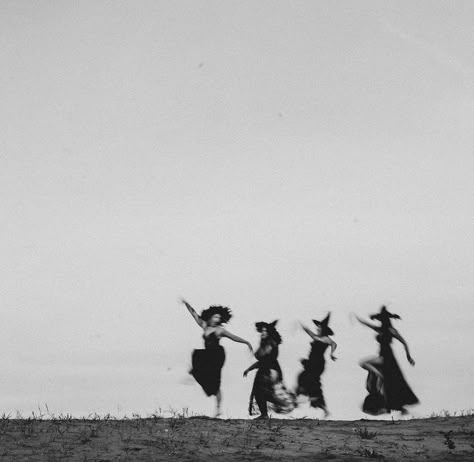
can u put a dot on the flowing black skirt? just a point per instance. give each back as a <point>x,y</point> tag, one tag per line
<point>309,383</point>
<point>206,368</point>
<point>389,392</point>
<point>268,385</point>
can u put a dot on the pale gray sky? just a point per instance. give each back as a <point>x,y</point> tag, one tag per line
<point>281,158</point>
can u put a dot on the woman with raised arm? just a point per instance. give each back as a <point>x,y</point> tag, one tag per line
<point>207,364</point>
<point>388,389</point>
<point>309,381</point>
<point>268,383</point>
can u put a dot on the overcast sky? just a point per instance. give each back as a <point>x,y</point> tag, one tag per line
<point>283,158</point>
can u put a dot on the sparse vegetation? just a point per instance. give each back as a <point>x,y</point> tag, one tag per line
<point>172,435</point>
<point>448,441</point>
<point>370,453</point>
<point>364,433</point>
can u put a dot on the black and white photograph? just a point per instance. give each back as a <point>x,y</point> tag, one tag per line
<point>237,230</point>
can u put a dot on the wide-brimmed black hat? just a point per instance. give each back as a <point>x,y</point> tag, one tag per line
<point>271,329</point>
<point>217,309</point>
<point>323,325</point>
<point>384,315</point>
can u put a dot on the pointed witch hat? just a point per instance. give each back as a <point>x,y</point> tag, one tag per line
<point>324,325</point>
<point>384,315</point>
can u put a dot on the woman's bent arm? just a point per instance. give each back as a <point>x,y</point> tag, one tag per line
<point>196,317</point>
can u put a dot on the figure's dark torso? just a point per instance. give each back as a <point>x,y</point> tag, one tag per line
<point>268,360</point>
<point>211,341</point>
<point>385,340</point>
<point>317,351</point>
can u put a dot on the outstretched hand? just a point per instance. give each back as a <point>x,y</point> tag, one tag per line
<point>334,358</point>
<point>246,372</point>
<point>353,316</point>
<point>411,360</point>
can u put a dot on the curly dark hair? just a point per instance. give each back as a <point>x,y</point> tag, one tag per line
<point>271,329</point>
<point>224,312</point>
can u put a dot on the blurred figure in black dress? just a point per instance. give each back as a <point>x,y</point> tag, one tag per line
<point>207,364</point>
<point>268,384</point>
<point>388,389</point>
<point>309,381</point>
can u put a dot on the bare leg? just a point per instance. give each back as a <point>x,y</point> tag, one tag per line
<point>262,405</point>
<point>373,365</point>
<point>218,403</point>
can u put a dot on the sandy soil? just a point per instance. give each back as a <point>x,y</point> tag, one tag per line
<point>203,439</point>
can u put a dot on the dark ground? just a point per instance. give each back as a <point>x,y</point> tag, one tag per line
<point>203,439</point>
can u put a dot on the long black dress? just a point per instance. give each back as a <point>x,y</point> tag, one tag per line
<point>268,384</point>
<point>207,364</point>
<point>309,381</point>
<point>391,392</point>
